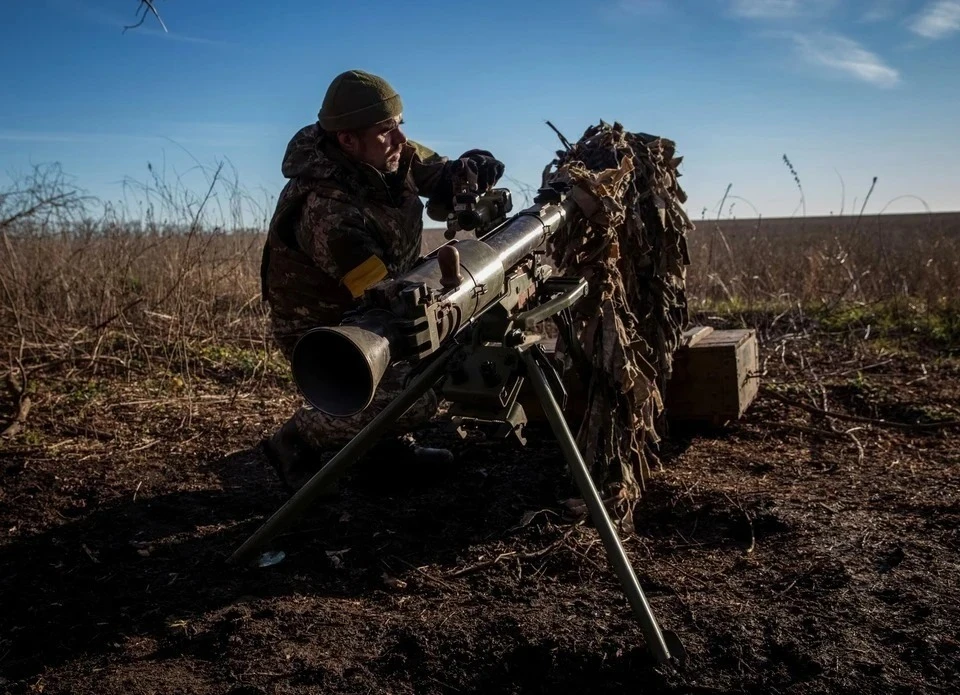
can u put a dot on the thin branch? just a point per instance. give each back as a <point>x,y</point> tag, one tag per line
<point>863,207</point>
<point>51,202</point>
<point>866,420</point>
<point>147,6</point>
<point>566,143</point>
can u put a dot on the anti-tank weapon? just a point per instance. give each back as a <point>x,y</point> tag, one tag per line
<point>466,317</point>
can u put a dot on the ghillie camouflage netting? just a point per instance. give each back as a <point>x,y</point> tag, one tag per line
<point>633,253</point>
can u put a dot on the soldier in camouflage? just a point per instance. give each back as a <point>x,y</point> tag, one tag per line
<point>350,216</point>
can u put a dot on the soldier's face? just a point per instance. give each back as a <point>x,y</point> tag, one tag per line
<point>379,146</point>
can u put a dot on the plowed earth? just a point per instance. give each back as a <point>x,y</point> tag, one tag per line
<point>790,552</point>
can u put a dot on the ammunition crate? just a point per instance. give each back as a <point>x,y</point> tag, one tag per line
<point>714,376</point>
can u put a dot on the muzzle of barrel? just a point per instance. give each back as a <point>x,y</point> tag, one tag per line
<point>337,369</point>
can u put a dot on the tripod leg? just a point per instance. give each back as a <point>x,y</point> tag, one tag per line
<point>337,466</point>
<point>656,640</point>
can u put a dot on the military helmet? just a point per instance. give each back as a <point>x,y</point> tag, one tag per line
<point>356,99</point>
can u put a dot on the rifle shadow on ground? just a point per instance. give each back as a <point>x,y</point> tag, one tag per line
<point>142,567</point>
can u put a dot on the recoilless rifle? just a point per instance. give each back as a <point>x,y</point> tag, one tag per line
<point>466,318</point>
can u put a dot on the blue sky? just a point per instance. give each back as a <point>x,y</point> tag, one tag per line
<point>851,89</point>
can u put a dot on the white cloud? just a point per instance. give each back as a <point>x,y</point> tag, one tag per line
<point>937,20</point>
<point>846,56</point>
<point>779,9</point>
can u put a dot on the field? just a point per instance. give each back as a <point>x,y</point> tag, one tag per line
<point>811,547</point>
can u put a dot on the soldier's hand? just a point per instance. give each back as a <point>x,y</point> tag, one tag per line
<point>489,168</point>
<point>464,175</point>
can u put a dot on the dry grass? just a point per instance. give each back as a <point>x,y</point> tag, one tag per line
<point>177,292</point>
<point>179,289</point>
<point>826,261</point>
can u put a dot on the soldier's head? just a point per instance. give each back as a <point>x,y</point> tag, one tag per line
<point>365,113</point>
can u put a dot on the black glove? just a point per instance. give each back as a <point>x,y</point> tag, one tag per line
<point>488,168</point>
<point>458,175</point>
<point>462,174</point>
<point>475,171</point>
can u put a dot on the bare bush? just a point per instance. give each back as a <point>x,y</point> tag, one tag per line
<point>40,199</point>
<point>160,289</point>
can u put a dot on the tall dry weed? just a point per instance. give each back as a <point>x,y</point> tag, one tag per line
<point>154,292</point>
<point>181,281</point>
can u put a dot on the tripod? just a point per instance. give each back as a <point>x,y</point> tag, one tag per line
<point>483,379</point>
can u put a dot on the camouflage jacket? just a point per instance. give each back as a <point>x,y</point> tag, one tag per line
<point>339,227</point>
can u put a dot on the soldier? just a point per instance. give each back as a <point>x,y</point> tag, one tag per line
<point>350,216</point>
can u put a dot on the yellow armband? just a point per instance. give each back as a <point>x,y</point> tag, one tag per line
<point>364,276</point>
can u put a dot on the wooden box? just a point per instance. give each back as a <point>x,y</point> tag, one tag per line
<point>714,375</point>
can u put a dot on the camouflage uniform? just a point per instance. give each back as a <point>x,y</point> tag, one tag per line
<point>339,227</point>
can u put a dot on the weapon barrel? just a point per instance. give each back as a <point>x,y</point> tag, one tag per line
<point>337,369</point>
<point>527,231</point>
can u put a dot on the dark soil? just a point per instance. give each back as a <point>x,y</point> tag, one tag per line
<point>789,552</point>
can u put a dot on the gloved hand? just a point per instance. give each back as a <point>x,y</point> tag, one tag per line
<point>488,168</point>
<point>461,174</point>
<point>474,170</point>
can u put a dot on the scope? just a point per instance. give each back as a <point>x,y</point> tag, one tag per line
<point>478,213</point>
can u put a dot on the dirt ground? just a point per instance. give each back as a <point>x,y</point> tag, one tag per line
<point>790,552</point>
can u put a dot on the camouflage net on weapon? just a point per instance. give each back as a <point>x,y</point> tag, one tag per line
<point>633,253</point>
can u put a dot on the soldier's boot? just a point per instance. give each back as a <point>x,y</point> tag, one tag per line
<point>296,461</point>
<point>400,460</point>
<point>404,451</point>
<point>293,459</point>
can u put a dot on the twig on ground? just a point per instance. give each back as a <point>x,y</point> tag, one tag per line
<point>856,418</point>
<point>89,432</point>
<point>816,431</point>
<point>676,568</point>
<point>426,575</point>
<point>586,558</point>
<point>802,575</point>
<point>499,558</point>
<point>20,397</point>
<point>860,452</point>
<point>505,556</point>
<point>753,538</point>
<point>862,369</point>
<point>106,322</point>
